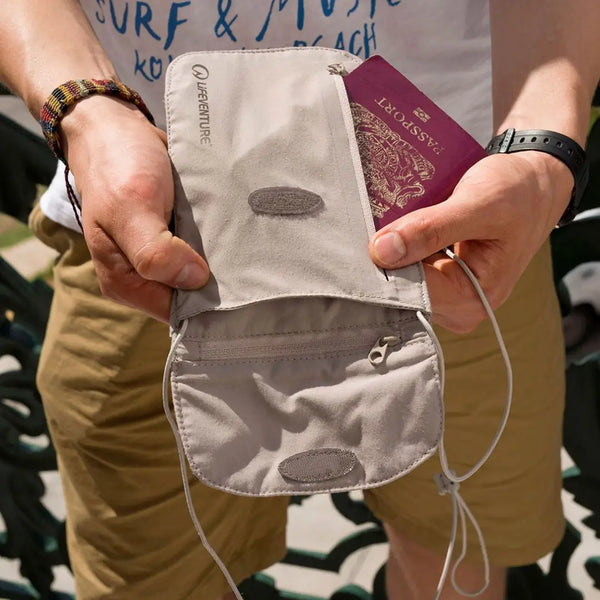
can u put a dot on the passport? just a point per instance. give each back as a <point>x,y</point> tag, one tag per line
<point>412,153</point>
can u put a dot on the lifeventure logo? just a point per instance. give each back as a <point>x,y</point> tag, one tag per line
<point>201,74</point>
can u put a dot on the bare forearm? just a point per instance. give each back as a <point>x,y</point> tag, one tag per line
<point>44,43</point>
<point>546,64</point>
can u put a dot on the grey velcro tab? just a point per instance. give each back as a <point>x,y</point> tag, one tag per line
<point>284,201</point>
<point>318,465</point>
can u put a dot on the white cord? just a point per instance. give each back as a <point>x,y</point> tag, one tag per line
<point>509,374</point>
<point>448,482</point>
<point>182,464</point>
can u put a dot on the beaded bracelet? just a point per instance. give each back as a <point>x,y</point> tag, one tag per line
<point>67,94</point>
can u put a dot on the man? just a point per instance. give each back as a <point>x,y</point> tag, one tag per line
<point>129,536</point>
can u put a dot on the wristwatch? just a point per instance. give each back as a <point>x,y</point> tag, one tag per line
<point>560,146</point>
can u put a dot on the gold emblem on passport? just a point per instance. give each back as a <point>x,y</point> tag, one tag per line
<point>394,170</point>
<point>421,114</point>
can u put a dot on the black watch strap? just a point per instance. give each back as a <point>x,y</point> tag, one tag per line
<point>562,147</point>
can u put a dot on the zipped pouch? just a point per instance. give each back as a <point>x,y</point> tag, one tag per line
<point>301,367</point>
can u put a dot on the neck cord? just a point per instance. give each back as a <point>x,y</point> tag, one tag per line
<point>448,482</point>
<point>186,484</point>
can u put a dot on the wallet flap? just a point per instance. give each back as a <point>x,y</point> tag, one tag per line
<point>270,188</point>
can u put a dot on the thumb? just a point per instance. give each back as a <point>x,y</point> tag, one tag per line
<point>157,255</point>
<point>424,232</point>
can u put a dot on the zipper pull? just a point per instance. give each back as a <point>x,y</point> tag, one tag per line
<point>337,69</point>
<point>380,350</point>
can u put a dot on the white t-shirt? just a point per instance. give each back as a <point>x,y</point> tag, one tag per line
<point>442,47</point>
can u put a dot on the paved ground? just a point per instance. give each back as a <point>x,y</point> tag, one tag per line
<point>29,257</point>
<point>316,529</point>
<point>15,109</point>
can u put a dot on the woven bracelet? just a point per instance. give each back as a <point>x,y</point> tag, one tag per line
<point>67,94</point>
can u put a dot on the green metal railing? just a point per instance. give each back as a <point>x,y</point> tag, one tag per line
<point>32,535</point>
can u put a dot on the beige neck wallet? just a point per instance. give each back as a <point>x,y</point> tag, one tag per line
<point>301,367</point>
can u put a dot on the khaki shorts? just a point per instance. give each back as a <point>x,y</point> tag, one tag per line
<point>129,532</point>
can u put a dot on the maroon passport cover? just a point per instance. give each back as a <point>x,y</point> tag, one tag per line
<point>413,154</point>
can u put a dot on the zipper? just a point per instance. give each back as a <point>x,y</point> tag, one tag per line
<point>337,69</point>
<point>305,346</point>
<point>381,348</point>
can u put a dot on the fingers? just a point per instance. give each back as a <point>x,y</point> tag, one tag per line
<point>120,281</point>
<point>157,255</point>
<point>490,199</point>
<point>454,300</point>
<point>124,175</point>
<point>141,262</point>
<point>140,231</point>
<point>424,232</point>
<point>488,222</point>
<point>457,307</point>
<point>126,206</point>
<point>421,235</point>
<point>138,260</point>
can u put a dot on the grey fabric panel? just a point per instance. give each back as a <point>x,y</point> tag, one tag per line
<point>276,120</point>
<point>240,417</point>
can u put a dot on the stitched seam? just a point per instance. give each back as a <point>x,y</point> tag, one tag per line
<point>385,301</point>
<point>289,492</point>
<point>422,283</point>
<point>366,327</point>
<point>274,359</point>
<point>434,366</point>
<point>177,404</point>
<point>311,49</point>
<point>252,361</point>
<point>177,298</point>
<point>326,110</point>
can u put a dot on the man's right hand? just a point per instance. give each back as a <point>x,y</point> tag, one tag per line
<point>123,175</point>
